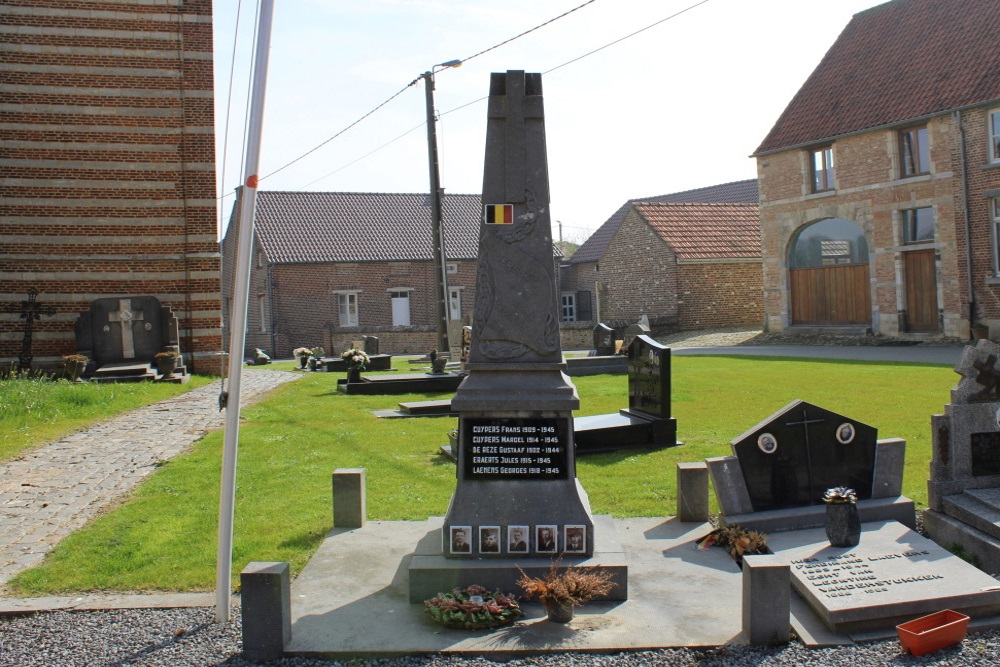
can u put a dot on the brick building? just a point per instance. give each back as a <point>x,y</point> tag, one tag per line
<point>687,260</point>
<point>879,183</point>
<point>108,166</point>
<point>329,267</point>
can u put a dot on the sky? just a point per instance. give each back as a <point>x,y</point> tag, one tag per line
<point>681,105</point>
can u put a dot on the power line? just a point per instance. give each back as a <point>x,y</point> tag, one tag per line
<point>541,25</point>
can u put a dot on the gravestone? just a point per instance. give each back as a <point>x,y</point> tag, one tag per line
<point>893,575</point>
<point>964,485</point>
<point>371,345</point>
<point>121,335</point>
<point>640,328</point>
<point>647,421</point>
<point>29,311</point>
<point>604,340</point>
<point>516,457</point>
<point>781,467</point>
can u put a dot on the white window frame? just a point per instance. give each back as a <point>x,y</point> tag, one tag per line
<point>995,219</point>
<point>567,307</point>
<point>400,293</point>
<point>825,172</point>
<point>346,316</point>
<point>452,268</point>
<point>993,134</point>
<point>262,308</point>
<point>454,303</point>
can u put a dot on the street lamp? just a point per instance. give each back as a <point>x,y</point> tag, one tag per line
<point>437,225</point>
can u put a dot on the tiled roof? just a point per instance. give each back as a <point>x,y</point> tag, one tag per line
<point>360,227</point>
<point>898,61</point>
<point>706,231</point>
<point>737,192</point>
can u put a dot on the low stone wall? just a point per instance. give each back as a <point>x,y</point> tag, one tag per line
<point>423,339</point>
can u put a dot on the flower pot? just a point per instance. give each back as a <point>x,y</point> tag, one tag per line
<point>353,375</point>
<point>558,612</point>
<point>313,362</point>
<point>74,369</point>
<point>166,366</point>
<point>933,632</point>
<point>303,360</point>
<point>843,525</point>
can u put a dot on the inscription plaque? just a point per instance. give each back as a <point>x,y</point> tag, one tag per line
<point>512,449</point>
<point>985,454</point>
<point>649,377</point>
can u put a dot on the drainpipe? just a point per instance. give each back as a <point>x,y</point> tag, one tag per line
<point>970,295</point>
<point>270,308</point>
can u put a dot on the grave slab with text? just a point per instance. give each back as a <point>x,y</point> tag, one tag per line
<point>893,575</point>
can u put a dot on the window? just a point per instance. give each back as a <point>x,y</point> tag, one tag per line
<point>828,242</point>
<point>914,152</point>
<point>994,132</point>
<point>995,216</point>
<point>568,313</point>
<point>452,268</point>
<point>347,306</point>
<point>918,225</point>
<point>260,259</point>
<point>262,309</point>
<point>822,169</point>
<point>454,303</point>
<point>400,308</point>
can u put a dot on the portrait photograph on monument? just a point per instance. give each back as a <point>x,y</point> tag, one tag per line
<point>545,539</point>
<point>489,539</point>
<point>517,539</point>
<point>460,539</point>
<point>575,539</point>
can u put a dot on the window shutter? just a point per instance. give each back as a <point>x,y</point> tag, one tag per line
<point>583,310</point>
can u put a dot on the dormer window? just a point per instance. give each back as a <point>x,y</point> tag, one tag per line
<point>822,169</point>
<point>914,152</point>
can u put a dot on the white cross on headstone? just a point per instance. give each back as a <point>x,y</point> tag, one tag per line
<point>125,317</point>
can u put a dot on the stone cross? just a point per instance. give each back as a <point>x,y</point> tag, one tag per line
<point>125,317</point>
<point>31,310</point>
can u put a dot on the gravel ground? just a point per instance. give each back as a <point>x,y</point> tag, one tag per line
<point>178,637</point>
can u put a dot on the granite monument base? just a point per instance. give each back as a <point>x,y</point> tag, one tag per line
<point>893,575</point>
<point>612,364</point>
<point>376,362</point>
<point>978,536</point>
<point>124,372</point>
<point>431,573</point>
<point>899,509</point>
<point>625,430</point>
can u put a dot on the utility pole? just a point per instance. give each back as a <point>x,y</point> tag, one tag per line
<point>437,223</point>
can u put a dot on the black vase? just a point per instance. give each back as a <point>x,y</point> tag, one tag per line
<point>843,525</point>
<point>353,375</point>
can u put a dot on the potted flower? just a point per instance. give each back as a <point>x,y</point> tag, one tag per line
<point>472,608</point>
<point>74,365</point>
<point>356,360</point>
<point>303,353</point>
<point>735,539</point>
<point>166,362</point>
<point>317,358</point>
<point>843,525</point>
<point>559,591</point>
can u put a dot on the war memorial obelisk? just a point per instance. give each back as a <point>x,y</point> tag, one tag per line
<point>516,467</point>
<point>517,502</point>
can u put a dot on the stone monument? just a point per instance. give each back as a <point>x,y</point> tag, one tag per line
<point>121,335</point>
<point>516,456</point>
<point>964,487</point>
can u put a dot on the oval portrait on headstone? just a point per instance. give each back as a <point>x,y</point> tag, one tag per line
<point>845,434</point>
<point>767,443</point>
<point>998,417</point>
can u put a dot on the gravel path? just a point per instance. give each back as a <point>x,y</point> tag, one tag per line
<point>179,637</point>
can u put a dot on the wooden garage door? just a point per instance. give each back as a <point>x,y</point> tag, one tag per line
<point>831,295</point>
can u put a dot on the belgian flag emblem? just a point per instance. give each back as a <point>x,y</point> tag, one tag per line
<point>499,214</point>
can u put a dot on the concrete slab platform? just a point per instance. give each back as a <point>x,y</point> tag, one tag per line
<point>352,599</point>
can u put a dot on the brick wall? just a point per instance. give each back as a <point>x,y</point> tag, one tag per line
<point>871,194</point>
<point>712,295</point>
<point>108,166</point>
<point>639,271</point>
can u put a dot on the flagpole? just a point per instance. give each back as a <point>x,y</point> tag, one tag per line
<point>238,321</point>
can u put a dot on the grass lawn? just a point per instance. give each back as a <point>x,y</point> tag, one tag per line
<point>164,538</point>
<point>33,412</point>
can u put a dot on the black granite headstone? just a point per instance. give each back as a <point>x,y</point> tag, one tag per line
<point>125,329</point>
<point>371,345</point>
<point>604,340</point>
<point>793,456</point>
<point>649,377</point>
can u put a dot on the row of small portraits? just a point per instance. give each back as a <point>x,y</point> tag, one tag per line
<point>545,540</point>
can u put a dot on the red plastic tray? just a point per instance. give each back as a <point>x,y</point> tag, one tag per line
<point>935,631</point>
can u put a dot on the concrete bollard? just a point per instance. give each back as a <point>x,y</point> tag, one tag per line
<point>766,600</point>
<point>265,598</point>
<point>692,491</point>
<point>349,498</point>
